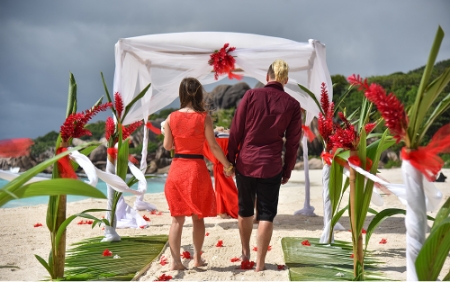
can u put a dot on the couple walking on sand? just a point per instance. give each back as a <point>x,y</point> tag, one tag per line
<point>263,118</point>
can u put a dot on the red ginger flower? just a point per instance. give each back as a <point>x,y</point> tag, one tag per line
<point>390,108</point>
<point>325,123</point>
<point>129,129</point>
<point>369,127</point>
<point>118,105</point>
<point>223,62</point>
<point>73,126</point>
<point>110,128</point>
<point>345,137</point>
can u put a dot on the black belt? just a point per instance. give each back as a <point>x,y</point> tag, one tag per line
<point>188,156</point>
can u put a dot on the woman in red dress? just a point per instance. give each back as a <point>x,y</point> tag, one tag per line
<point>188,188</point>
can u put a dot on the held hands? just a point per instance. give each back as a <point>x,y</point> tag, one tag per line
<point>228,171</point>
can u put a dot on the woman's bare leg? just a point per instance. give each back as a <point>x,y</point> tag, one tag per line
<point>176,229</point>
<point>198,236</point>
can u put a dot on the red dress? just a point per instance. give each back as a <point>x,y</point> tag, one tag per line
<point>188,186</point>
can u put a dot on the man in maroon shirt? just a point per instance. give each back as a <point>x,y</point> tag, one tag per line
<point>264,116</point>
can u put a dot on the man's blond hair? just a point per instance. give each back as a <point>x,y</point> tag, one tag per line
<point>278,71</point>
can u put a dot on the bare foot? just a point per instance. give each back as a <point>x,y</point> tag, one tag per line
<point>200,263</point>
<point>258,269</point>
<point>224,216</point>
<point>177,266</point>
<point>244,258</point>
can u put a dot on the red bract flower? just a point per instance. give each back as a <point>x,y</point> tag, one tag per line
<point>73,126</point>
<point>118,105</point>
<point>246,264</point>
<point>235,259</point>
<point>383,241</point>
<point>219,243</point>
<point>223,62</point>
<point>344,137</point>
<point>37,224</point>
<point>255,249</point>
<point>163,261</point>
<point>13,148</point>
<point>129,129</point>
<point>110,128</point>
<point>281,267</point>
<point>325,123</point>
<point>107,253</point>
<point>306,243</point>
<point>145,218</point>
<point>369,127</point>
<point>186,255</point>
<point>164,278</point>
<point>390,108</point>
<point>207,234</point>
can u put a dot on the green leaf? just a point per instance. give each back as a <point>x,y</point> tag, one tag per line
<point>378,219</point>
<point>15,184</point>
<point>335,185</point>
<point>107,94</point>
<point>135,99</point>
<point>418,110</point>
<point>44,264</point>
<point>60,186</point>
<point>441,108</point>
<point>337,216</point>
<point>341,99</point>
<point>98,103</point>
<point>442,214</point>
<point>447,277</point>
<point>307,91</point>
<point>434,251</point>
<point>72,96</point>
<point>68,220</point>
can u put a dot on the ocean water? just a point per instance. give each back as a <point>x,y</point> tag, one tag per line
<point>154,185</point>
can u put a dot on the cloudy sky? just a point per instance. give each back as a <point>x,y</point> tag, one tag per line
<point>43,41</point>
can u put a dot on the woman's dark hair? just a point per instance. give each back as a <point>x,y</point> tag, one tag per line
<point>191,91</point>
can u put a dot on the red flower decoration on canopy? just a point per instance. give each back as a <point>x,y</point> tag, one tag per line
<point>223,62</point>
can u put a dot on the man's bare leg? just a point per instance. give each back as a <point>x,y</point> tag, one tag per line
<point>175,232</point>
<point>245,231</point>
<point>265,230</point>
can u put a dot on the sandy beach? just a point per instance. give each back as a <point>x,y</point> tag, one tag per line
<point>21,240</point>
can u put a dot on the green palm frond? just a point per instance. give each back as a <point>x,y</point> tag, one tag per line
<point>324,262</point>
<point>85,261</point>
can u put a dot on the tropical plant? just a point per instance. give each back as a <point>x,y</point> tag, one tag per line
<point>117,159</point>
<point>419,161</point>
<point>73,127</point>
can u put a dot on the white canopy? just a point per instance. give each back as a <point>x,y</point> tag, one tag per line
<point>165,59</point>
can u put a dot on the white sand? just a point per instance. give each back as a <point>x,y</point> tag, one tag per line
<point>20,240</point>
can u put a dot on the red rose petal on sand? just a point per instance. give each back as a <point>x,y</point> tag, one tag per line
<point>145,218</point>
<point>219,243</point>
<point>107,253</point>
<point>364,231</point>
<point>269,248</point>
<point>306,243</point>
<point>163,260</point>
<point>207,234</point>
<point>37,224</point>
<point>383,241</point>
<point>153,212</point>
<point>235,259</point>
<point>142,226</point>
<point>247,264</point>
<point>164,278</point>
<point>160,213</point>
<point>186,255</point>
<point>255,249</point>
<point>281,267</point>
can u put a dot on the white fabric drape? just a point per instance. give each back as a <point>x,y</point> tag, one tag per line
<point>165,59</point>
<point>307,209</point>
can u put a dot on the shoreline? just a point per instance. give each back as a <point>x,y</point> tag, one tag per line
<point>21,240</point>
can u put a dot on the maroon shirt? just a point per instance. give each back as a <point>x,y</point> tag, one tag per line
<point>263,117</point>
